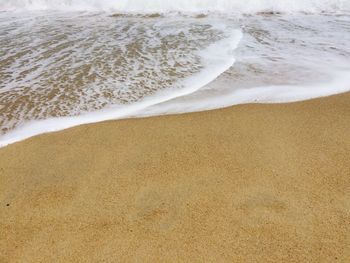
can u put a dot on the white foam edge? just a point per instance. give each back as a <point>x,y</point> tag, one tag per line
<point>339,83</point>
<point>217,58</point>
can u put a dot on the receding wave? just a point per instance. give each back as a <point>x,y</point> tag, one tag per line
<point>162,6</point>
<point>115,67</point>
<point>60,69</point>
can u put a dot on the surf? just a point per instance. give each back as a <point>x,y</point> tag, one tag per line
<point>188,6</point>
<point>83,61</point>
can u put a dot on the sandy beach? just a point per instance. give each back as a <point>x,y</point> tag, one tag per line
<point>249,183</point>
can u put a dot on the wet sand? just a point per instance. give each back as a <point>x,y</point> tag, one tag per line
<point>250,183</point>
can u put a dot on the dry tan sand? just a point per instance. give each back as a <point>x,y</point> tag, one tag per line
<point>250,183</point>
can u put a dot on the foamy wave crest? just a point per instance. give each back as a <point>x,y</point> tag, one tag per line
<point>190,6</point>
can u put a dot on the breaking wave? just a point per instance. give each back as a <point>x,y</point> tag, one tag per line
<point>187,6</point>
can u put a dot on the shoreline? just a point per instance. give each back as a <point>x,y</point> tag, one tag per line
<point>33,128</point>
<point>253,182</point>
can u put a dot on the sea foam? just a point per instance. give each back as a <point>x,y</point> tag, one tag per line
<point>217,58</point>
<point>163,6</point>
<point>60,69</point>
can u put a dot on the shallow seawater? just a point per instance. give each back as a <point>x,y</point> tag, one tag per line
<point>280,58</point>
<point>63,65</point>
<point>60,69</point>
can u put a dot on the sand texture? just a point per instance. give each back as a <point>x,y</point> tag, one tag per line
<point>250,183</point>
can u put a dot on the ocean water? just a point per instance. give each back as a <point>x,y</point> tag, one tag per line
<point>66,63</point>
